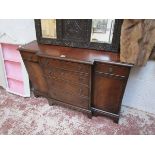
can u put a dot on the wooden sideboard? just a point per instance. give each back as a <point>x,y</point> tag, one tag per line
<point>87,80</point>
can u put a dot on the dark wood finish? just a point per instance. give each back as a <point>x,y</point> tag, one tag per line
<point>97,112</point>
<point>67,88</point>
<point>86,80</point>
<point>57,102</point>
<point>77,32</point>
<point>83,56</point>
<point>109,85</point>
<point>65,65</point>
<point>36,75</point>
<point>69,76</point>
<point>107,93</point>
<point>111,69</point>
<point>30,57</point>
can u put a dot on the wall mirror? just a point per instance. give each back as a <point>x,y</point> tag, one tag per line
<point>99,34</point>
<point>102,30</point>
<point>48,28</point>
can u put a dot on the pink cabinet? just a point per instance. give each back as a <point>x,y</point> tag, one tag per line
<point>16,76</point>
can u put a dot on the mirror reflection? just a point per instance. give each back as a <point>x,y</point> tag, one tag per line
<point>48,28</point>
<point>102,30</point>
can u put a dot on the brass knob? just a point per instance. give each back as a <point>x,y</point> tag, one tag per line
<point>62,56</point>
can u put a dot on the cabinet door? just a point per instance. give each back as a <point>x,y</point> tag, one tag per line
<point>68,82</point>
<point>108,93</point>
<point>36,76</point>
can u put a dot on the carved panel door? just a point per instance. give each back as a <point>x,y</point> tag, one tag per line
<point>76,30</point>
<point>108,93</point>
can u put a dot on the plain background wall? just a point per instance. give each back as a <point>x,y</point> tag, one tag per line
<point>21,30</point>
<point>140,90</point>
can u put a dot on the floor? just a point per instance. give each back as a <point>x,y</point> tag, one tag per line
<point>33,116</point>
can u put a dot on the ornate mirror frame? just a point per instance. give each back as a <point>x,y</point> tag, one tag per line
<point>77,33</point>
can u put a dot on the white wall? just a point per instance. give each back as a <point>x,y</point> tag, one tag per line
<point>21,30</point>
<point>140,91</point>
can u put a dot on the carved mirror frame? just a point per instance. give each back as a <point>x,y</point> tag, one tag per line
<point>68,31</point>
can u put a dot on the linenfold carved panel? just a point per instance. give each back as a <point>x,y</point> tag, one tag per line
<point>76,30</point>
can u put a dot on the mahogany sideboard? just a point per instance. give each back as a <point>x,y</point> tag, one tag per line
<point>87,80</point>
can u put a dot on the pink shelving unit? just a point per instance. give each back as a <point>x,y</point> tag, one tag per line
<point>16,76</point>
<point>13,70</point>
<point>16,86</point>
<point>11,53</point>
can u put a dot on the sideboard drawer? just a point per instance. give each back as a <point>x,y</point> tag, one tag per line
<point>112,69</point>
<point>66,65</point>
<point>70,99</point>
<point>29,56</point>
<point>73,77</point>
<point>67,87</point>
<point>77,95</point>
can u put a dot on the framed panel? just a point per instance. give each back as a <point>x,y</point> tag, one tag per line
<point>77,33</point>
<point>76,30</point>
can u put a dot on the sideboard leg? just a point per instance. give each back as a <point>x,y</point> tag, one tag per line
<point>116,120</point>
<point>89,115</point>
<point>51,103</point>
<point>36,95</point>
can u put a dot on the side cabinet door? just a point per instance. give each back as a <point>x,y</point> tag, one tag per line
<point>35,72</point>
<point>36,76</point>
<point>108,92</point>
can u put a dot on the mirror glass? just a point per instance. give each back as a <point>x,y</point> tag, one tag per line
<point>102,30</point>
<point>48,28</point>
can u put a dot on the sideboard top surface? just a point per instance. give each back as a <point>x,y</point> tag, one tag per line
<point>72,54</point>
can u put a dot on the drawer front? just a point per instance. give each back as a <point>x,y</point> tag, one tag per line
<point>70,99</point>
<point>69,76</point>
<point>71,94</point>
<point>72,66</point>
<point>29,56</point>
<point>112,69</point>
<point>73,89</point>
